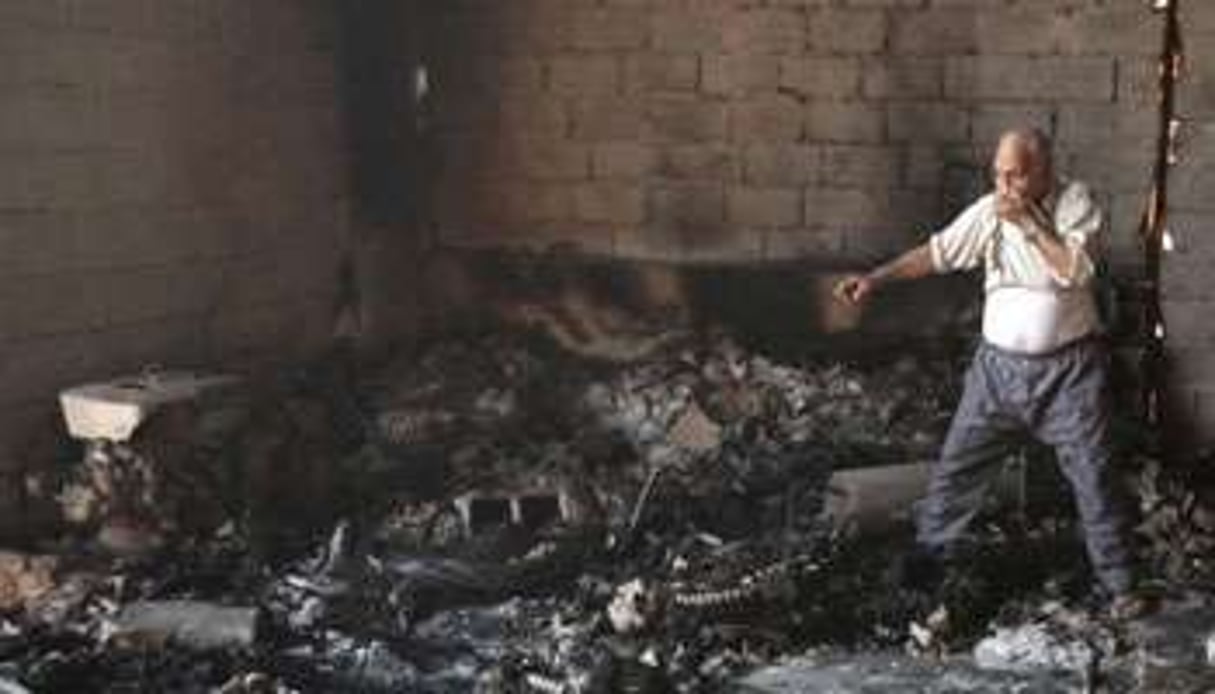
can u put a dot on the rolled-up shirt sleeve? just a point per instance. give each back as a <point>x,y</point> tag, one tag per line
<point>962,245</point>
<point>1078,222</point>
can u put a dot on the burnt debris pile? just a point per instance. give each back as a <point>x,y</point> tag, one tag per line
<point>494,515</point>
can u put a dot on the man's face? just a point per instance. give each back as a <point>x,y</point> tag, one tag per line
<point>1020,176</point>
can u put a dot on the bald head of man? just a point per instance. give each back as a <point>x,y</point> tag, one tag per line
<point>1022,167</point>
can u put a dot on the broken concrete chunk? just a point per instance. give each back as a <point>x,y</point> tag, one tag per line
<point>1034,647</point>
<point>196,625</point>
<point>24,578</point>
<point>127,537</point>
<point>629,611</point>
<point>694,431</point>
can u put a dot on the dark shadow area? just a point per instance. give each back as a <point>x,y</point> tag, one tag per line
<point>377,56</point>
<point>784,309</point>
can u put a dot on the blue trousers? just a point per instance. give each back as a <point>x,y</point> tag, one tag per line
<point>1061,398</point>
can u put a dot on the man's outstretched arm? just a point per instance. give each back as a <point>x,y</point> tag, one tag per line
<point>913,264</point>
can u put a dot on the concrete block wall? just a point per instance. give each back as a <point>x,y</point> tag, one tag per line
<point>1188,284</point>
<point>737,130</point>
<point>172,191</point>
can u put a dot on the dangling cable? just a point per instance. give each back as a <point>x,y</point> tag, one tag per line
<point>1153,224</point>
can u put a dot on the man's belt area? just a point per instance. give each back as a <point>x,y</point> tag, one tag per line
<point>1093,339</point>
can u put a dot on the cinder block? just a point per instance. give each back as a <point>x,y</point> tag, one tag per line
<point>755,30</point>
<point>739,73</point>
<point>1191,179</point>
<point>936,32</point>
<point>685,119</point>
<point>766,119</point>
<point>35,368</point>
<point>548,160</point>
<point>687,204</point>
<point>533,115</point>
<point>865,208</point>
<point>609,29</point>
<point>1197,18</point>
<point>529,508</point>
<point>851,30</point>
<point>916,4</point>
<point>38,180</point>
<point>621,160</point>
<point>824,244</point>
<point>522,203</point>
<point>846,121</point>
<point>655,72</point>
<point>842,207</point>
<point>692,28</point>
<point>56,304</point>
<point>871,245</point>
<point>1107,169</point>
<point>1033,30</point>
<point>928,122</point>
<point>1196,90</point>
<point>33,119</point>
<point>1188,321</point>
<point>30,14</point>
<point>1027,78</point>
<point>37,242</point>
<point>971,4</point>
<point>826,78</point>
<point>1121,29</point>
<point>609,203</point>
<point>900,77</point>
<point>529,27</point>
<point>1191,365</point>
<point>1106,125</point>
<point>925,166</point>
<point>781,165</point>
<point>1138,82</point>
<point>138,295</point>
<point>490,73</point>
<point>607,118</point>
<point>701,162</point>
<point>861,166</point>
<point>584,74</point>
<point>765,207</point>
<point>1185,277</point>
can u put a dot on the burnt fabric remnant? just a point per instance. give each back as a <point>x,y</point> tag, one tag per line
<point>493,514</point>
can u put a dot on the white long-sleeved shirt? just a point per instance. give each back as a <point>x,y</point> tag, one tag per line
<point>1030,307</point>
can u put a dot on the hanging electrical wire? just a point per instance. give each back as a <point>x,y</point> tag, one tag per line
<point>1153,226</point>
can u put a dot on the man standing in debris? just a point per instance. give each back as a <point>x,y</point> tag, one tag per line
<point>1041,368</point>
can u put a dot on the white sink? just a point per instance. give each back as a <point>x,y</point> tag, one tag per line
<point>113,410</point>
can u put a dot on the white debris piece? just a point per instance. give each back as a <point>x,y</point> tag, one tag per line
<point>196,625</point>
<point>1033,647</point>
<point>113,410</point>
<point>627,610</point>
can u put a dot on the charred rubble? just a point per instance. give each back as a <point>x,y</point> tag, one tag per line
<point>493,514</point>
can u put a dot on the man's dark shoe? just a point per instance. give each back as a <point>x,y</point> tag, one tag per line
<point>919,569</point>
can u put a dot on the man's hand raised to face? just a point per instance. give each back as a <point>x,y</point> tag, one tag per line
<point>1026,214</point>
<point>1012,208</point>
